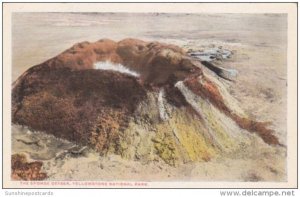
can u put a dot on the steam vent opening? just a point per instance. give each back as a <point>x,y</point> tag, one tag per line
<point>140,100</point>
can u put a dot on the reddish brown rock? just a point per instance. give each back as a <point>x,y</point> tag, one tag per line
<point>69,103</point>
<point>24,170</point>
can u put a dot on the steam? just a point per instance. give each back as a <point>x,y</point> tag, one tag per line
<point>115,67</point>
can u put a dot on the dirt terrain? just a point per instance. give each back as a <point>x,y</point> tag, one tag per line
<point>258,46</point>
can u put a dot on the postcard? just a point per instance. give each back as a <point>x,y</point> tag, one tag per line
<point>150,95</point>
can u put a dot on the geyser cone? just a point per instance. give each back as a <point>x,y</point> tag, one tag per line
<point>142,100</point>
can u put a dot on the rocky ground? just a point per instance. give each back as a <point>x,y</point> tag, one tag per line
<point>258,44</point>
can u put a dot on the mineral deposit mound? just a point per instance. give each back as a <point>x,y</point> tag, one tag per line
<point>141,100</point>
